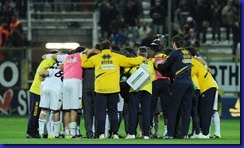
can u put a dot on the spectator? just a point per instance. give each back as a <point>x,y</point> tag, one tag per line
<point>117,24</point>
<point>144,30</point>
<point>103,20</point>
<point>18,39</point>
<point>7,11</point>
<point>158,13</point>
<point>191,39</point>
<point>190,23</point>
<point>216,20</point>
<point>105,36</point>
<point>162,2</point>
<point>4,33</point>
<point>182,12</point>
<point>112,13</point>
<point>119,38</point>
<point>22,8</point>
<point>228,13</point>
<point>15,25</point>
<point>201,15</point>
<point>131,15</point>
<point>236,32</point>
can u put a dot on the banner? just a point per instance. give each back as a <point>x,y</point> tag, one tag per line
<point>10,74</point>
<point>230,108</point>
<point>227,75</point>
<point>14,101</point>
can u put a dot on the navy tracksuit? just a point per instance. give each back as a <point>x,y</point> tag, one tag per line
<point>206,109</point>
<point>103,102</point>
<point>33,125</point>
<point>195,113</point>
<point>179,62</point>
<point>162,89</point>
<point>135,98</point>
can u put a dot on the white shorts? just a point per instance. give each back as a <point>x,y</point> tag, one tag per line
<point>72,92</point>
<point>51,97</point>
<point>215,105</point>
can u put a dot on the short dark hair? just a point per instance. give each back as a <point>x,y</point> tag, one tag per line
<point>54,51</point>
<point>192,50</point>
<point>179,41</point>
<point>106,44</point>
<point>80,49</point>
<point>167,51</point>
<point>77,50</point>
<point>116,48</point>
<point>98,46</point>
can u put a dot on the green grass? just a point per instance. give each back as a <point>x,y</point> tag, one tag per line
<point>12,131</point>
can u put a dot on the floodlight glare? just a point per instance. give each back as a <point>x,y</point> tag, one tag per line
<point>66,45</point>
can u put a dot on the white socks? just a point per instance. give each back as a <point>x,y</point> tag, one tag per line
<point>106,126</point>
<point>72,127</point>
<point>56,128</point>
<point>77,130</point>
<point>42,124</point>
<point>48,123</point>
<point>216,120</point>
<point>165,130</point>
<point>67,132</point>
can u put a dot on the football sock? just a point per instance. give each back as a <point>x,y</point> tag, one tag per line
<point>42,124</point>
<point>165,130</point>
<point>216,120</point>
<point>72,127</point>
<point>56,127</point>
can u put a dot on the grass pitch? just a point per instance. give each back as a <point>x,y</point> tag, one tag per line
<point>13,131</point>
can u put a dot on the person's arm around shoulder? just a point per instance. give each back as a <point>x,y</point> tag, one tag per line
<point>200,60</point>
<point>56,57</point>
<point>43,74</point>
<point>151,71</point>
<point>167,63</point>
<point>87,62</point>
<point>129,61</point>
<point>45,64</point>
<point>47,56</point>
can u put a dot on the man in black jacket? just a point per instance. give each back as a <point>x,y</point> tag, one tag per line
<point>179,62</point>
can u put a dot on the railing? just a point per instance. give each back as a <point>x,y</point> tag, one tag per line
<point>82,13</point>
<point>206,53</point>
<point>61,6</point>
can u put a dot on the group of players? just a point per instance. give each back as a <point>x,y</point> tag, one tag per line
<point>94,80</point>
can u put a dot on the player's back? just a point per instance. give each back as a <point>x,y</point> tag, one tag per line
<point>55,78</point>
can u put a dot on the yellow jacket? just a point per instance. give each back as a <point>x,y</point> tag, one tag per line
<point>205,78</point>
<point>45,64</point>
<point>148,65</point>
<point>107,69</point>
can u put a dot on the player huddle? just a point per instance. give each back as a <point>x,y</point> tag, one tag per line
<point>94,80</point>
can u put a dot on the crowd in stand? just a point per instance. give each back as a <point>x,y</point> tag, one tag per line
<point>11,30</point>
<point>120,21</point>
